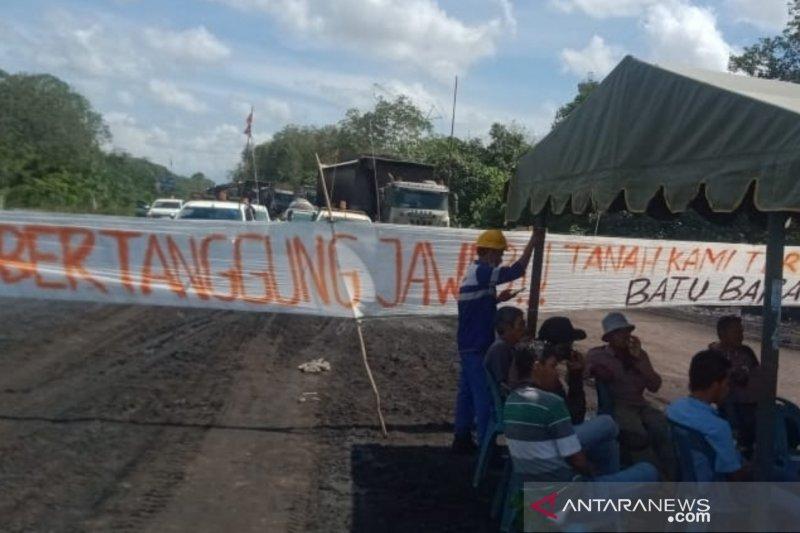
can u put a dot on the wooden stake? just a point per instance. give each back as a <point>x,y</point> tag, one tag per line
<point>355,316</point>
<point>324,188</point>
<point>371,379</point>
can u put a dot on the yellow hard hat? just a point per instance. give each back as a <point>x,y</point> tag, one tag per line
<point>493,239</point>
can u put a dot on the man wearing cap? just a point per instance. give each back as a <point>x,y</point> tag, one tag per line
<point>626,368</point>
<point>477,305</point>
<point>559,336</point>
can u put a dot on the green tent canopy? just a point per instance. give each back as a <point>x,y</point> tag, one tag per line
<point>655,139</point>
<point>651,130</point>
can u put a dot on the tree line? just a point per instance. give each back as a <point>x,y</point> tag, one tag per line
<point>52,156</point>
<point>475,169</point>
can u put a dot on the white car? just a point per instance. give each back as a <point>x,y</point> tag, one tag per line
<point>300,210</point>
<point>218,210</point>
<point>324,215</point>
<point>164,208</point>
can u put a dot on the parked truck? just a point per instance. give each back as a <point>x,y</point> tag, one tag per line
<point>388,190</point>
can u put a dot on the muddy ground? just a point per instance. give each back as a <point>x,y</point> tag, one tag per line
<point>132,418</point>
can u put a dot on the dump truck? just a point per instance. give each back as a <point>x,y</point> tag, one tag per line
<point>387,190</point>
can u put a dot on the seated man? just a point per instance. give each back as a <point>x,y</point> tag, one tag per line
<point>709,378</point>
<point>708,385</point>
<point>559,336</point>
<point>543,443</point>
<point>626,368</point>
<point>509,324</point>
<point>740,404</point>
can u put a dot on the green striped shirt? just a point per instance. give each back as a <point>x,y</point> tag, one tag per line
<point>539,433</point>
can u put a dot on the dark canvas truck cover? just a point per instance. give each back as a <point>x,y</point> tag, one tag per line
<point>354,181</point>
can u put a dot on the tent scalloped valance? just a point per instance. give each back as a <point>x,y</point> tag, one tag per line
<point>648,130</point>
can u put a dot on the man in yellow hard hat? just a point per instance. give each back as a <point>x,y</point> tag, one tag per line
<point>477,305</point>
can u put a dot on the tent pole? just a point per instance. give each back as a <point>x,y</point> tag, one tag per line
<point>540,227</point>
<point>770,341</point>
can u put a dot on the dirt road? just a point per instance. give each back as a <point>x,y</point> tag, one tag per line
<point>157,419</point>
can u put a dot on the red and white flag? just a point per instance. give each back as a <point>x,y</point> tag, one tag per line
<point>248,129</point>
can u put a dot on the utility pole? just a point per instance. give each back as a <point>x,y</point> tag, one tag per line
<point>452,133</point>
<point>453,118</point>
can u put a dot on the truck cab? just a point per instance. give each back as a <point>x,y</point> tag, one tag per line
<point>418,203</point>
<point>387,190</point>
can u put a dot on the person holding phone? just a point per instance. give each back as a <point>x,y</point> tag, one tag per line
<point>625,367</point>
<point>477,307</point>
<point>559,336</point>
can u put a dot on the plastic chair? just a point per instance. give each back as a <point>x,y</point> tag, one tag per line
<point>488,443</point>
<point>605,402</point>
<point>687,440</point>
<point>785,445</point>
<point>514,485</point>
<point>501,492</point>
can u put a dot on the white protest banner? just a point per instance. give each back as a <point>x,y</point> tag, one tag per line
<point>369,270</point>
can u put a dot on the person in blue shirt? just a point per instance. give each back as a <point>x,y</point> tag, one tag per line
<point>477,305</point>
<point>709,373</point>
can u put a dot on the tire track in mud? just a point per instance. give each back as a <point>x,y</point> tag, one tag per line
<point>257,476</point>
<point>58,474</point>
<point>145,485</point>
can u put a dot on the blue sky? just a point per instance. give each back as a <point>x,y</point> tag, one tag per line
<point>175,79</point>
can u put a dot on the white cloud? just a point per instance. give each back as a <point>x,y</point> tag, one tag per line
<point>268,113</point>
<point>223,135</point>
<point>102,47</point>
<point>508,14</point>
<point>129,73</point>
<point>196,44</point>
<point>129,136</point>
<point>474,120</point>
<point>675,31</point>
<point>125,97</point>
<point>596,58</point>
<point>337,89</point>
<point>214,150</point>
<point>87,48</point>
<point>603,8</point>
<point>168,93</point>
<point>769,15</point>
<point>413,32</point>
<point>679,32</point>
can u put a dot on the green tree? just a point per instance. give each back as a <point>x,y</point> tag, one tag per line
<point>289,156</point>
<point>42,112</point>
<point>775,57</point>
<point>507,144</point>
<point>51,154</point>
<point>196,183</point>
<point>461,165</point>
<point>391,127</point>
<point>50,139</point>
<point>476,173</point>
<point>585,88</point>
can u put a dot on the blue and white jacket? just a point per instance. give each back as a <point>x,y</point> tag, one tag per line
<point>477,304</point>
